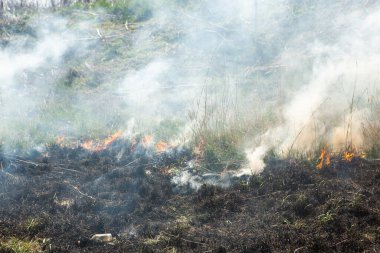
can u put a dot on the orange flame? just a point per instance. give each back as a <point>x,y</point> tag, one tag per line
<point>110,139</point>
<point>352,153</point>
<point>200,148</point>
<point>89,145</point>
<point>97,147</point>
<point>161,146</point>
<point>324,159</point>
<point>348,156</point>
<point>147,141</point>
<point>59,141</point>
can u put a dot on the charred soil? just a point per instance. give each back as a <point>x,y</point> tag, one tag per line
<point>63,198</point>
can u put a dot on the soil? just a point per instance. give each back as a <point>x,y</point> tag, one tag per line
<point>65,196</point>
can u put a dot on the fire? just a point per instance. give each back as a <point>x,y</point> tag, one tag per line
<point>348,156</point>
<point>59,141</point>
<point>147,141</point>
<point>324,159</point>
<point>112,138</point>
<point>89,145</point>
<point>200,148</point>
<point>161,146</point>
<point>351,154</point>
<point>97,147</point>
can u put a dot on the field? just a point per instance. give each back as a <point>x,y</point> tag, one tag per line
<point>189,126</point>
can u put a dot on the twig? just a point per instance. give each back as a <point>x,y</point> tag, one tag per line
<point>341,242</point>
<point>97,38</point>
<point>27,162</point>
<point>86,12</point>
<point>298,249</point>
<point>265,195</point>
<point>18,159</point>
<point>77,190</point>
<point>183,239</point>
<point>99,34</point>
<point>136,160</point>
<point>126,24</point>
<point>80,172</point>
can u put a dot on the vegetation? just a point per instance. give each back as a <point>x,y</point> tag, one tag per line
<point>15,245</point>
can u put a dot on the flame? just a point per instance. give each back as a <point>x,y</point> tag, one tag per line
<point>200,148</point>
<point>59,141</point>
<point>97,147</point>
<point>348,156</point>
<point>110,139</point>
<point>324,159</point>
<point>161,146</point>
<point>147,141</point>
<point>89,145</point>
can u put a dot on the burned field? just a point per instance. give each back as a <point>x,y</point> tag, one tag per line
<point>60,199</point>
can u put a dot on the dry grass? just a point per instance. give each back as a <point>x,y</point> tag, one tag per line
<point>371,131</point>
<point>15,245</point>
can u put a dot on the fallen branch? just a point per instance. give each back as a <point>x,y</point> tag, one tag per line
<point>77,190</point>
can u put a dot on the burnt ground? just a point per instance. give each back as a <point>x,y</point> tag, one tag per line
<point>62,199</point>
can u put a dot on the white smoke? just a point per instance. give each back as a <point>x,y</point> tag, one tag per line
<point>330,105</point>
